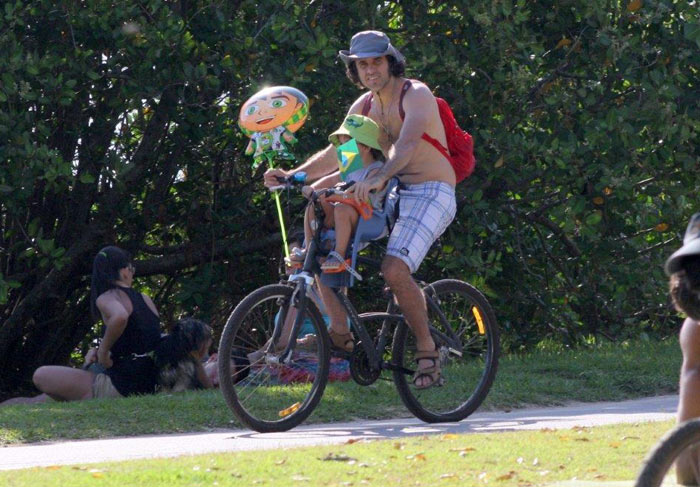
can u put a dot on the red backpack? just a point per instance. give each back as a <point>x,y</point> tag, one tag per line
<point>460,146</point>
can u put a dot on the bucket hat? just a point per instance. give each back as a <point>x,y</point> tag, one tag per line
<point>363,129</point>
<point>691,245</point>
<point>369,44</point>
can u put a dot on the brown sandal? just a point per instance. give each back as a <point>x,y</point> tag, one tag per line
<point>343,341</point>
<point>433,372</point>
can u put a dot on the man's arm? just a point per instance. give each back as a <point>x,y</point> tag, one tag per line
<point>327,181</point>
<point>316,166</point>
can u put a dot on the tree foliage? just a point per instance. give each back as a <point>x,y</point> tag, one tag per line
<point>117,125</point>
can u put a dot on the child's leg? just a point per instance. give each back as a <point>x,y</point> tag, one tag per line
<point>308,218</point>
<point>329,211</point>
<point>346,218</point>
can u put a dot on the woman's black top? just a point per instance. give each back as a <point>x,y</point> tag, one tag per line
<point>130,373</point>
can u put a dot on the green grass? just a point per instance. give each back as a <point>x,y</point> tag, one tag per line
<point>611,372</point>
<point>528,458</point>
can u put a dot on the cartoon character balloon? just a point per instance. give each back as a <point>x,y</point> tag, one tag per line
<point>270,117</point>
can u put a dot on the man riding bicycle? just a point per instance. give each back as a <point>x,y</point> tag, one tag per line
<point>404,110</point>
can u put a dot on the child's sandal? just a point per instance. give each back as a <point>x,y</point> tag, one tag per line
<point>335,263</point>
<point>433,372</point>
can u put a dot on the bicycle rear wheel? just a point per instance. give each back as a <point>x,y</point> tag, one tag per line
<point>466,335</point>
<point>660,464</point>
<point>264,393</point>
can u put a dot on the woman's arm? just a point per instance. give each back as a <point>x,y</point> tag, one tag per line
<point>115,317</point>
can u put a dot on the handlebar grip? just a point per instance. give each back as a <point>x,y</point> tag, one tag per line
<point>299,177</point>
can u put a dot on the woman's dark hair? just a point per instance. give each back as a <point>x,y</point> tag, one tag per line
<point>105,271</point>
<point>396,69</point>
<point>684,287</point>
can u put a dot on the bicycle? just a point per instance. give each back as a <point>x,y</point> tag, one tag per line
<point>284,378</point>
<point>659,465</point>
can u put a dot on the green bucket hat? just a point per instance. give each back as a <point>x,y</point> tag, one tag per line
<point>363,129</point>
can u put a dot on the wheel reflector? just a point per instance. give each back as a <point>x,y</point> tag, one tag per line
<point>290,410</point>
<point>479,320</point>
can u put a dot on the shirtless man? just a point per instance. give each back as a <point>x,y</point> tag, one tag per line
<point>404,110</point>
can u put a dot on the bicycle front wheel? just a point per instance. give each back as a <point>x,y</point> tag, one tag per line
<point>660,468</point>
<point>466,334</point>
<point>266,392</point>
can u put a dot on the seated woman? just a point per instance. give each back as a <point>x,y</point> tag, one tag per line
<point>131,333</point>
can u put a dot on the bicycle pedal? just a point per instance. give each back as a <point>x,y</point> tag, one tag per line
<point>452,351</point>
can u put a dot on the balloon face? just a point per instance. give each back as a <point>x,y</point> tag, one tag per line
<point>274,107</point>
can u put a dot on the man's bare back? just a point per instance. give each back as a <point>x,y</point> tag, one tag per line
<point>426,162</point>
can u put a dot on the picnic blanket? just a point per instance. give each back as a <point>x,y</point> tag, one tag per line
<point>302,368</point>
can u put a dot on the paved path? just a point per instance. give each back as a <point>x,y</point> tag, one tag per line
<point>115,449</point>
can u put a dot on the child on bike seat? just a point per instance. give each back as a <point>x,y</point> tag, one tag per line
<point>340,216</point>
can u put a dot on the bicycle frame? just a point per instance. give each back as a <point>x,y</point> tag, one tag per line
<point>374,352</point>
<point>306,278</point>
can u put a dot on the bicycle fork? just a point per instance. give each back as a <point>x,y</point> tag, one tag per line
<point>298,296</point>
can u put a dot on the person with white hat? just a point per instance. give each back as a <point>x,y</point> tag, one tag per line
<point>408,117</point>
<point>683,267</point>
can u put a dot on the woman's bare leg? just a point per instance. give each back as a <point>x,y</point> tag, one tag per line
<point>25,400</point>
<point>64,383</point>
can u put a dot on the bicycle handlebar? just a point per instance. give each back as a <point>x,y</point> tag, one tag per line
<point>336,194</point>
<point>295,180</point>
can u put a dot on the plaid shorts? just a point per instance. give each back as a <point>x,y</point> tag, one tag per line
<point>425,211</point>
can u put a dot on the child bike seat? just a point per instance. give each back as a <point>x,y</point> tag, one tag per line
<point>376,227</point>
